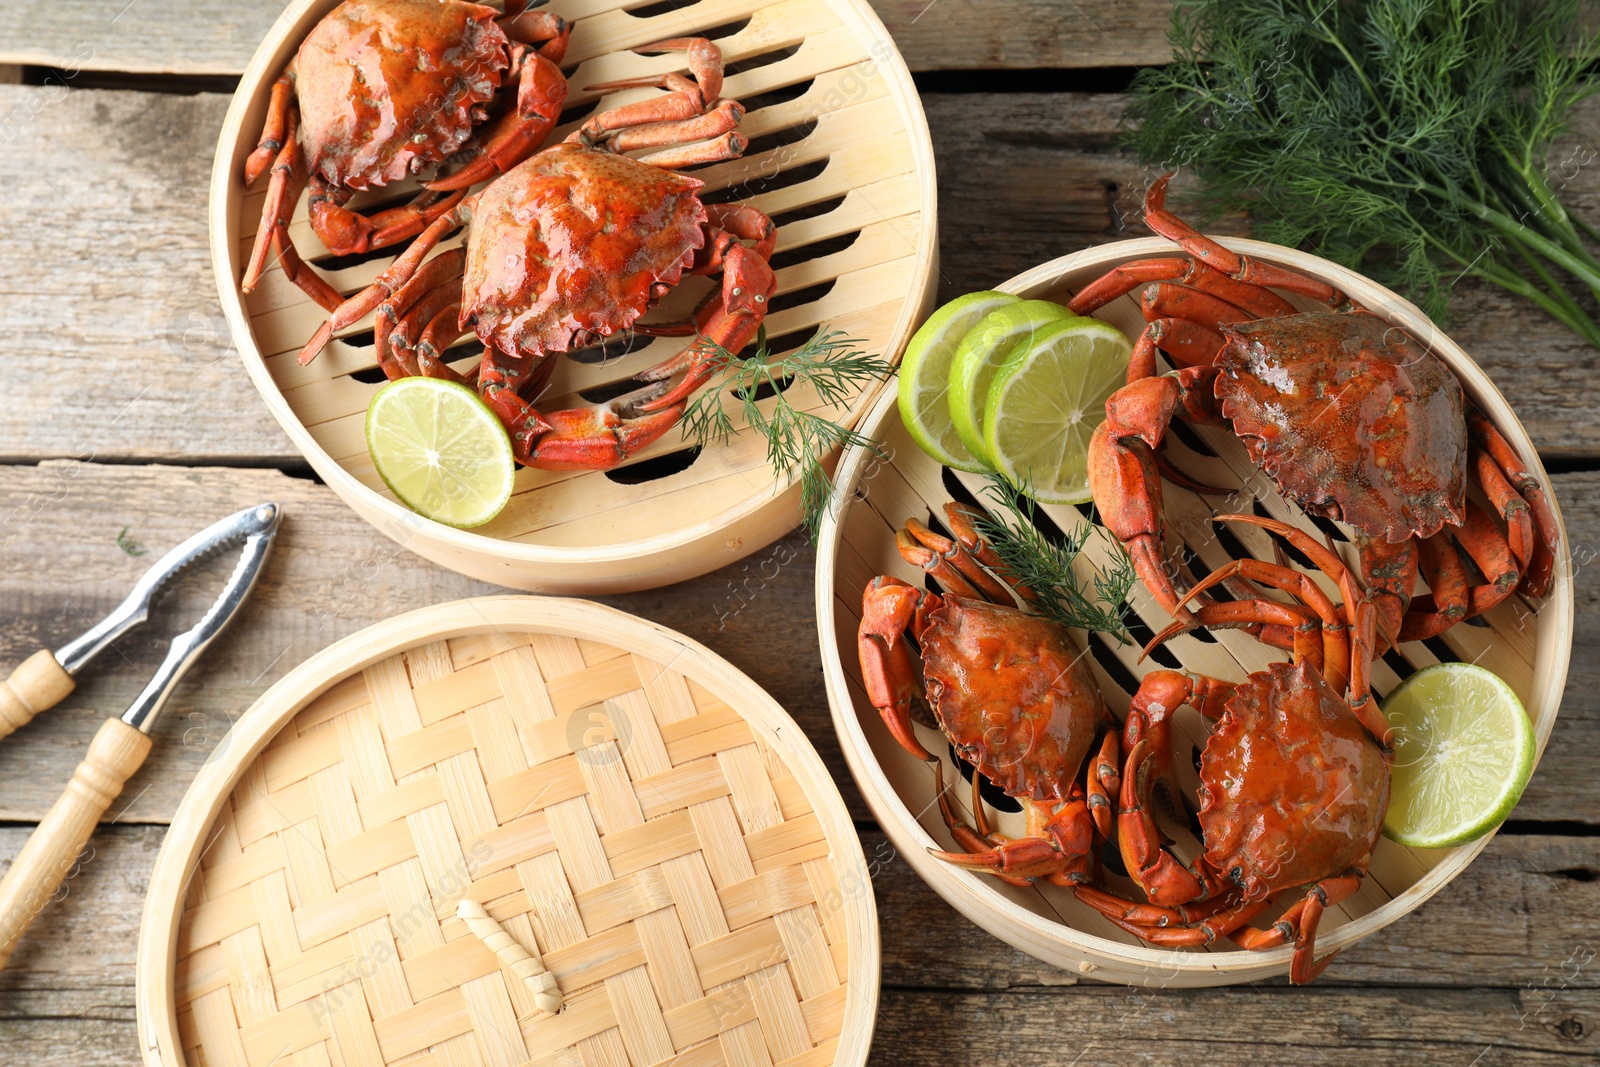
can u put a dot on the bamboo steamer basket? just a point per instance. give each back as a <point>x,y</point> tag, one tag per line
<point>840,157</point>
<point>1526,642</point>
<point>620,799</point>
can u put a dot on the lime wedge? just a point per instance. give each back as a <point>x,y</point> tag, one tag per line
<point>1045,403</point>
<point>987,345</point>
<point>1463,753</point>
<point>925,376</point>
<point>441,450</point>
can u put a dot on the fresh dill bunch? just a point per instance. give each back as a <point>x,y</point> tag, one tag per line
<point>1036,562</point>
<point>833,365</point>
<point>1407,139</point>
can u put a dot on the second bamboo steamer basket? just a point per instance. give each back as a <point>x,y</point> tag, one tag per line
<point>615,794</point>
<point>840,157</point>
<point>1526,642</point>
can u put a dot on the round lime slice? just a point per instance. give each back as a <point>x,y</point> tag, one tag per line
<point>1463,752</point>
<point>1003,331</point>
<point>440,449</point>
<point>925,376</point>
<point>1045,403</point>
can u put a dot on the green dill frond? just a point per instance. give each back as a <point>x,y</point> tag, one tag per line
<point>1406,139</point>
<point>1051,569</point>
<point>797,441</point>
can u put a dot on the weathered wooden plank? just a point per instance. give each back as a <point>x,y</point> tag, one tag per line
<point>332,574</point>
<point>1518,936</point>
<point>217,37</point>
<point>1518,919</point>
<point>61,568</point>
<point>113,346</point>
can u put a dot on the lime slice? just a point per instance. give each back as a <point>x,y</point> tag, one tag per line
<point>441,450</point>
<point>1045,403</point>
<point>987,345</point>
<point>1463,753</point>
<point>925,376</point>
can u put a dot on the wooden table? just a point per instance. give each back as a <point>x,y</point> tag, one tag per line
<point>126,420</point>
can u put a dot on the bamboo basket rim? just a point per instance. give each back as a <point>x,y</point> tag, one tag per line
<point>226,267</point>
<point>176,862</point>
<point>978,898</point>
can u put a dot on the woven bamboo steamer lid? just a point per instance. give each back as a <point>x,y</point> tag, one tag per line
<point>840,157</point>
<point>1526,642</point>
<point>625,803</point>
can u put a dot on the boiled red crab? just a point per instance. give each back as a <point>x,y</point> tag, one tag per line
<point>573,245</point>
<point>1351,416</point>
<point>382,90</point>
<point>1294,784</point>
<point>1011,692</point>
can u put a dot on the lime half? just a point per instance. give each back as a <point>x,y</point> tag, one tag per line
<point>441,450</point>
<point>988,344</point>
<point>1045,403</point>
<point>1463,753</point>
<point>925,376</point>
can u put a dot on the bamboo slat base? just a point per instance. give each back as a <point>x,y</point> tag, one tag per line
<point>677,856</point>
<point>839,157</point>
<point>1526,642</point>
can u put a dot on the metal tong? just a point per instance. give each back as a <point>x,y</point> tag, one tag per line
<point>121,745</point>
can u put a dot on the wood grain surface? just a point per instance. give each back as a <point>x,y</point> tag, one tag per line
<point>127,423</point>
<point>218,36</point>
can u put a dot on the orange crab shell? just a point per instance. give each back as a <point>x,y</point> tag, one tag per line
<point>570,244</point>
<point>1012,694</point>
<point>1351,417</point>
<point>389,88</point>
<point>1292,786</point>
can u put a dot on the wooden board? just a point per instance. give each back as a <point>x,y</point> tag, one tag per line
<point>217,37</point>
<point>98,185</point>
<point>838,156</point>
<point>622,800</point>
<point>1526,642</point>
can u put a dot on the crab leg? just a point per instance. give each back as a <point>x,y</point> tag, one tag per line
<point>725,116</point>
<point>517,134</point>
<point>687,97</point>
<point>392,280</point>
<point>1512,508</point>
<point>276,131</point>
<point>1235,265</point>
<point>961,519</point>
<point>1446,576</point>
<point>1170,300</point>
<point>283,190</point>
<point>397,344</point>
<point>344,232</point>
<point>1536,579</point>
<point>1488,549</point>
<point>1260,303</point>
<point>948,563</point>
<point>1300,923</point>
<point>1190,933</point>
<point>1334,652</point>
<point>1054,847</point>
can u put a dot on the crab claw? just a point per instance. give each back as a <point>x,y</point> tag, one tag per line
<point>889,608</point>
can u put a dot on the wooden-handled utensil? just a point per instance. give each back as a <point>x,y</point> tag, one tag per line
<point>120,746</point>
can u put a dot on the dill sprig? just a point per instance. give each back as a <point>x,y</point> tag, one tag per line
<point>1407,139</point>
<point>796,440</point>
<point>1047,567</point>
